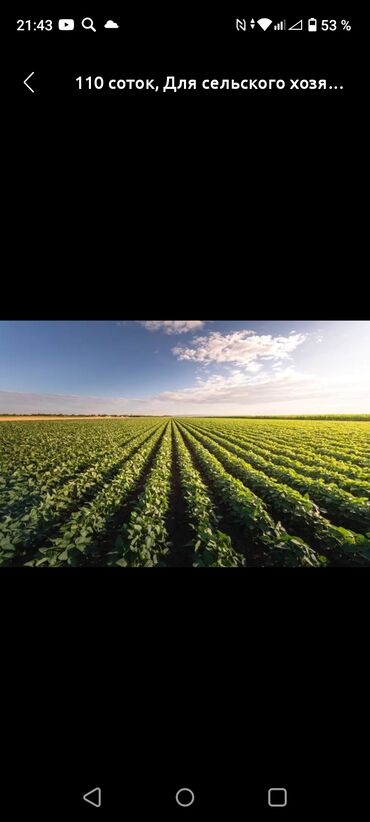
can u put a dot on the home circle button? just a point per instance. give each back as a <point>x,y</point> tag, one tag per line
<point>185,797</point>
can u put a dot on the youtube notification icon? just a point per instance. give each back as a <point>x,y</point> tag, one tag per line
<point>66,24</point>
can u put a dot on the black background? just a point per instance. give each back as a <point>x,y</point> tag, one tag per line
<point>228,682</point>
<point>260,187</point>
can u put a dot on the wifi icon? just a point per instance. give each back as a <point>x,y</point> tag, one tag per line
<point>264,22</point>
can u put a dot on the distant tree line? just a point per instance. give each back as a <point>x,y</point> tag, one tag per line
<point>56,414</point>
<point>346,417</point>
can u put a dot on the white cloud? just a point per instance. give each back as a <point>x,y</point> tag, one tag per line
<point>284,391</point>
<point>242,387</point>
<point>254,367</point>
<point>242,347</point>
<point>280,391</point>
<point>173,326</point>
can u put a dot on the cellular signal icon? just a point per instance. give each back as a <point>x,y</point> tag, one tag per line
<point>280,26</point>
<point>297,26</point>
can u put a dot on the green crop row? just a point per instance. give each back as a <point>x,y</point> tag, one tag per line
<point>354,486</point>
<point>27,448</point>
<point>211,547</point>
<point>313,447</point>
<point>309,457</point>
<point>29,486</point>
<point>144,541</point>
<point>77,542</point>
<point>218,492</point>
<point>250,513</point>
<point>294,509</point>
<point>352,511</point>
<point>331,445</point>
<point>20,535</point>
<point>344,436</point>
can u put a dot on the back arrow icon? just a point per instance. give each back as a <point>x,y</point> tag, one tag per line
<point>93,797</point>
<point>26,83</point>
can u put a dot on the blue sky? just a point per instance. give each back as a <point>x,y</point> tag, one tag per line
<point>185,367</point>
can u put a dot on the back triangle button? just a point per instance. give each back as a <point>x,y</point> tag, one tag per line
<point>93,797</point>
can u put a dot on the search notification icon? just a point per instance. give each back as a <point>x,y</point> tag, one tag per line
<point>88,23</point>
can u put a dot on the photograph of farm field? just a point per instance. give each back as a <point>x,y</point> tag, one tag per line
<point>222,444</point>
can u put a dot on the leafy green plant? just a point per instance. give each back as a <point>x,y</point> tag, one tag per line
<point>95,494</point>
<point>315,469</point>
<point>352,511</point>
<point>98,492</point>
<point>211,547</point>
<point>295,510</point>
<point>251,514</point>
<point>144,541</point>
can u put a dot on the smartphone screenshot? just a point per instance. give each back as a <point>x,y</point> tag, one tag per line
<point>185,504</point>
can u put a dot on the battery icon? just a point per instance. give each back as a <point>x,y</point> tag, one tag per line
<point>312,24</point>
